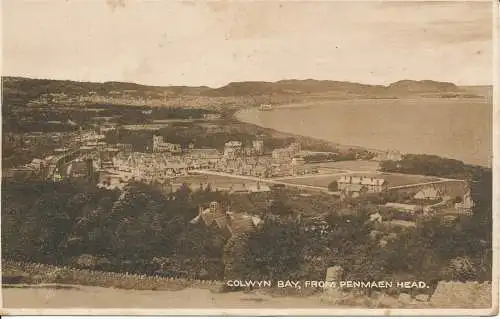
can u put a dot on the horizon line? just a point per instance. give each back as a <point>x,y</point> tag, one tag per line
<point>241,81</point>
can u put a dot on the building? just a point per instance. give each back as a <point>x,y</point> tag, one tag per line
<point>203,158</point>
<point>124,147</point>
<point>232,149</point>
<point>282,155</point>
<point>228,223</point>
<point>428,193</point>
<point>371,184</point>
<point>121,162</point>
<point>151,165</point>
<point>162,146</point>
<point>298,166</point>
<point>57,177</point>
<point>466,205</point>
<point>81,169</point>
<point>258,147</point>
<point>285,155</point>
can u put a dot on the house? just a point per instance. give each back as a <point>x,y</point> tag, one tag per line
<point>232,149</point>
<point>56,177</point>
<point>228,223</point>
<point>258,146</point>
<point>371,184</point>
<point>429,193</point>
<point>121,162</point>
<point>466,205</point>
<point>80,169</point>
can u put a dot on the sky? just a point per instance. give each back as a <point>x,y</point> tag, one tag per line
<point>213,43</point>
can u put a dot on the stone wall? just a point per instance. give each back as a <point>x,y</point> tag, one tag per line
<point>34,273</point>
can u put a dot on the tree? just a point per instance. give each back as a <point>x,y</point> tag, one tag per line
<point>251,256</point>
<point>388,166</point>
<point>333,186</point>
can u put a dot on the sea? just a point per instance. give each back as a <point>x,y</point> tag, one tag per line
<point>452,128</point>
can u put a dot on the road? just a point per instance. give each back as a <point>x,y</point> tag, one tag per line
<point>344,172</point>
<point>282,180</point>
<point>441,180</point>
<point>265,180</point>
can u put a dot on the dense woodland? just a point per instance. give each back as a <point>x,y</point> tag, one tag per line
<point>144,230</point>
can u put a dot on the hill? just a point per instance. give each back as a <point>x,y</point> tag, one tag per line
<point>234,94</point>
<point>309,86</point>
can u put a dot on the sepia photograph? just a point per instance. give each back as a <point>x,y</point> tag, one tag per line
<point>239,157</point>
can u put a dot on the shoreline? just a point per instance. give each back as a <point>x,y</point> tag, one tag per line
<point>235,116</point>
<point>240,116</point>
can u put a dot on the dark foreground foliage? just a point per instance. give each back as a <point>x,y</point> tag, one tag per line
<point>143,230</point>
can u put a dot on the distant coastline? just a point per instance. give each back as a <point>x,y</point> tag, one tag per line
<point>302,116</point>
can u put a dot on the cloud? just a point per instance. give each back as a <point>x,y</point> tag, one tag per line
<point>215,42</point>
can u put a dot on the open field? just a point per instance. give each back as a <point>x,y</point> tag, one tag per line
<point>368,166</point>
<point>216,181</point>
<point>320,181</point>
<point>392,179</point>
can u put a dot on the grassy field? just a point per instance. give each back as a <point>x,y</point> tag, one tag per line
<point>392,179</point>
<point>214,180</point>
<point>320,181</point>
<point>371,166</point>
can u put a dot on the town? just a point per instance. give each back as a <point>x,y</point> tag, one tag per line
<point>192,192</point>
<point>85,155</point>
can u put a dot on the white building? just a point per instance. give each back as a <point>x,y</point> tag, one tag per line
<point>465,207</point>
<point>429,193</point>
<point>370,184</point>
<point>258,147</point>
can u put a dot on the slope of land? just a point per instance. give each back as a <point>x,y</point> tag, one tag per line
<point>235,94</point>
